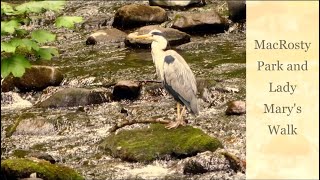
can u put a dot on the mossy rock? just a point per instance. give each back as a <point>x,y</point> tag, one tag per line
<point>22,168</point>
<point>157,142</point>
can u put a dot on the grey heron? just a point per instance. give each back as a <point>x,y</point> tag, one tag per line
<point>175,74</point>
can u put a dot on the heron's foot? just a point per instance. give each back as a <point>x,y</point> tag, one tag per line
<point>175,124</point>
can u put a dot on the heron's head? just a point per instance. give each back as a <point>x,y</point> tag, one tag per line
<point>157,38</point>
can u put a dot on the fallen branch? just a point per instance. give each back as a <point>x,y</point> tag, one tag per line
<point>145,121</point>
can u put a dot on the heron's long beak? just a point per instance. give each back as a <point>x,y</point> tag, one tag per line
<point>145,36</point>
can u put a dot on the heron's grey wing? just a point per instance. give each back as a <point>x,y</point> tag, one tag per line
<point>180,81</point>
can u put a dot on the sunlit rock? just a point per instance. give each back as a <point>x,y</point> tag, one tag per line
<point>174,37</point>
<point>157,142</point>
<point>22,168</point>
<point>112,35</point>
<point>35,78</point>
<point>236,108</point>
<point>135,15</point>
<point>200,22</point>
<point>71,97</point>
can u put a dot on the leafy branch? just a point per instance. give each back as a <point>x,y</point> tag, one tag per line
<point>20,42</point>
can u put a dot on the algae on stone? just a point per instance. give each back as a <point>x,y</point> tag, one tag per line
<point>157,142</point>
<point>22,168</point>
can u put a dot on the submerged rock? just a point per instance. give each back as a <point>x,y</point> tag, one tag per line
<point>71,97</point>
<point>112,35</point>
<point>28,124</point>
<point>126,90</point>
<point>135,15</point>
<point>237,10</point>
<point>236,108</point>
<point>157,142</point>
<point>35,78</point>
<point>22,168</point>
<point>174,36</point>
<point>177,4</point>
<point>200,22</point>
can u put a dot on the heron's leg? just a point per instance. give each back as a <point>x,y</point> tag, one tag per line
<point>179,121</point>
<point>178,111</point>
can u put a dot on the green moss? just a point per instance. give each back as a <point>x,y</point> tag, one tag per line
<point>22,168</point>
<point>157,142</point>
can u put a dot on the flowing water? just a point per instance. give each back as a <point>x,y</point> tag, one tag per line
<point>218,62</point>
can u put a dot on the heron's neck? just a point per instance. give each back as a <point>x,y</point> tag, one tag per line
<point>159,46</point>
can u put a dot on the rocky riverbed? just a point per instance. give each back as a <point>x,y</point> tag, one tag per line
<point>69,121</point>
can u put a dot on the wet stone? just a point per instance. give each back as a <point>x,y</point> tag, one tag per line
<point>109,36</point>
<point>72,97</point>
<point>135,15</point>
<point>236,108</point>
<point>22,168</point>
<point>157,142</point>
<point>36,78</point>
<point>200,22</point>
<point>126,90</point>
<point>174,37</point>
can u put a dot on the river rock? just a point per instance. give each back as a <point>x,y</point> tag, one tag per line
<point>35,127</point>
<point>35,78</point>
<point>135,15</point>
<point>112,35</point>
<point>174,37</point>
<point>126,90</point>
<point>237,10</point>
<point>71,97</point>
<point>200,22</point>
<point>19,168</point>
<point>157,142</point>
<point>177,4</point>
<point>236,108</point>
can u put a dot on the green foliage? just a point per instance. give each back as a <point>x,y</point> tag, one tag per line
<point>46,53</point>
<point>67,21</point>
<point>19,42</point>
<point>9,26</point>
<point>40,6</point>
<point>15,64</point>
<point>42,36</point>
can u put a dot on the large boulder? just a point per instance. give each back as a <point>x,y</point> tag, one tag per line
<point>110,36</point>
<point>135,15</point>
<point>157,142</point>
<point>200,22</point>
<point>35,78</point>
<point>71,97</point>
<point>237,10</point>
<point>22,168</point>
<point>177,4</point>
<point>174,37</point>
